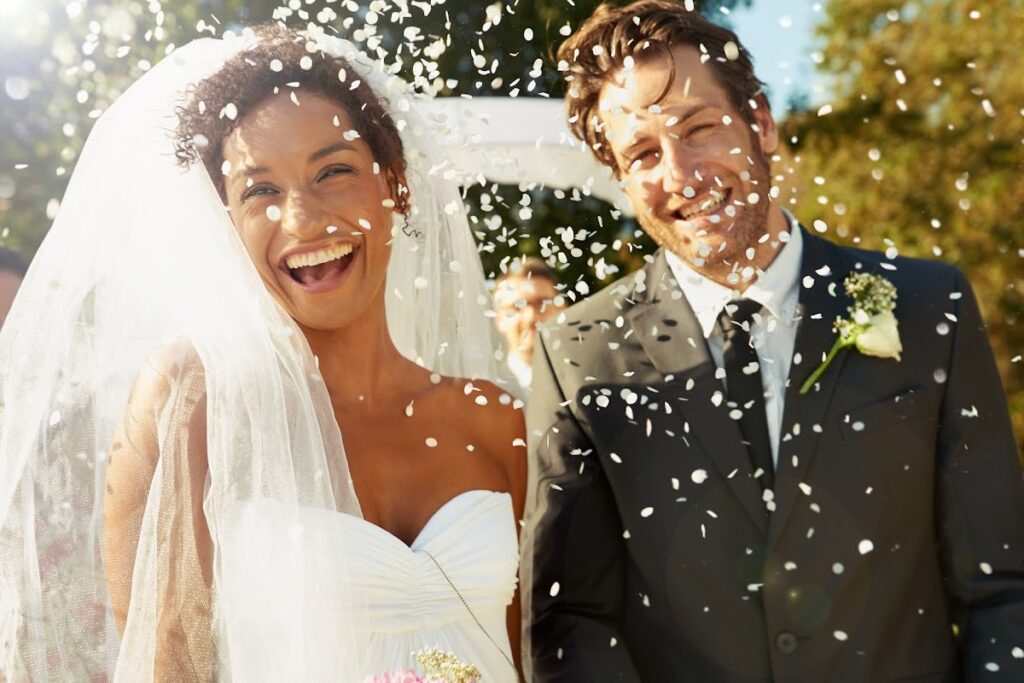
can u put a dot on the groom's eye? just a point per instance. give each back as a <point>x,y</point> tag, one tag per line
<point>642,157</point>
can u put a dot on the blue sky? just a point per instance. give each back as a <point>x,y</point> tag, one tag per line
<point>779,34</point>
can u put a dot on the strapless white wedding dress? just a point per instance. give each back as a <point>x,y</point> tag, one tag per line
<point>316,595</point>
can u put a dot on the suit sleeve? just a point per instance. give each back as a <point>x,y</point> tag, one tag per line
<point>573,550</point>
<point>981,502</point>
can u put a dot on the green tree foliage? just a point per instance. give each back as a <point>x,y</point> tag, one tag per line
<point>921,150</point>
<point>63,65</point>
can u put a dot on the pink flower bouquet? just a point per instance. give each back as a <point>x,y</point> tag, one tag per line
<point>409,676</point>
<point>440,667</point>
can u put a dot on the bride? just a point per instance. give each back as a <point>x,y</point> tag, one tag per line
<point>304,485</point>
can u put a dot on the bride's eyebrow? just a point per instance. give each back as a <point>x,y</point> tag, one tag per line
<point>249,171</point>
<point>329,150</point>
<point>254,170</point>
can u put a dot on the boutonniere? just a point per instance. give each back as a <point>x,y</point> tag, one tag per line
<point>871,327</point>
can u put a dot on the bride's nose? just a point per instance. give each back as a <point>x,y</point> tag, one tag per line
<point>301,216</point>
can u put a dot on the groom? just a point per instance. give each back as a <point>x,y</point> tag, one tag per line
<point>692,514</point>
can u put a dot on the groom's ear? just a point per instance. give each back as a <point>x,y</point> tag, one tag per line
<point>766,130</point>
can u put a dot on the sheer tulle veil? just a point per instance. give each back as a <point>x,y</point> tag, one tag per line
<point>143,271</point>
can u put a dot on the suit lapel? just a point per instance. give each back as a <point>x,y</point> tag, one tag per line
<point>664,324</point>
<point>824,267</point>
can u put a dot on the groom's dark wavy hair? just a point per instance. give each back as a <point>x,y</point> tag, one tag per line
<point>645,30</point>
<point>277,64</point>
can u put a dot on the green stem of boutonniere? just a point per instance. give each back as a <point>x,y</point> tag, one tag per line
<point>840,344</point>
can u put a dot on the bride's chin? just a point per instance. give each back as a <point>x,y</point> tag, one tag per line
<point>327,317</point>
<point>321,322</point>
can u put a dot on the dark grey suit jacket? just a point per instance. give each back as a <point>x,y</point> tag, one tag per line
<point>648,553</point>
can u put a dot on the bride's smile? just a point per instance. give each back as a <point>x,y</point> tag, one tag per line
<point>313,208</point>
<point>321,269</point>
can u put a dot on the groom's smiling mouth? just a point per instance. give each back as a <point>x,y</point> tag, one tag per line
<point>708,204</point>
<point>322,269</point>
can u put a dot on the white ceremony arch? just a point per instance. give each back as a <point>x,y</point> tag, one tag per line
<point>521,140</point>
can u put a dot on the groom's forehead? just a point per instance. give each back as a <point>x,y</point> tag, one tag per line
<point>625,103</point>
<point>640,93</point>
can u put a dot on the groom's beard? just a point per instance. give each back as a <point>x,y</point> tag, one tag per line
<point>741,231</point>
<point>734,234</point>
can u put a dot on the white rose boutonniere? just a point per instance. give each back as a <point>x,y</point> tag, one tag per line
<point>872,327</point>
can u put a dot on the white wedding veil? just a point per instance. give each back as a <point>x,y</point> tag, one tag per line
<point>143,276</point>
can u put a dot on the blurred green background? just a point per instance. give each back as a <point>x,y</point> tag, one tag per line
<point>917,147</point>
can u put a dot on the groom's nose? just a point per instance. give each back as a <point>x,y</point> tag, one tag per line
<point>528,316</point>
<point>677,165</point>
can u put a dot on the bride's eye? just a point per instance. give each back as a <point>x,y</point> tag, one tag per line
<point>257,190</point>
<point>338,169</point>
<point>699,128</point>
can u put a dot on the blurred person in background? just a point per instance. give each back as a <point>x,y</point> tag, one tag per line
<point>524,297</point>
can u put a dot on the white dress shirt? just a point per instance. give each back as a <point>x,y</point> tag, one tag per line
<point>772,333</point>
<point>523,372</point>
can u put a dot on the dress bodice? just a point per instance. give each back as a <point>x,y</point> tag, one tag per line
<point>317,595</point>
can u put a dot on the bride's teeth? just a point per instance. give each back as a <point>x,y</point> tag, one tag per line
<point>315,258</point>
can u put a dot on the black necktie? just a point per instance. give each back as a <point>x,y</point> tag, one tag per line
<point>743,384</point>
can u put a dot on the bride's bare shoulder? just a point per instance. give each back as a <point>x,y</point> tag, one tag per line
<point>169,368</point>
<point>485,406</point>
<point>171,379</point>
<point>495,423</point>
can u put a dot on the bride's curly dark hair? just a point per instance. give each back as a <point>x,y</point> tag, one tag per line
<point>279,62</point>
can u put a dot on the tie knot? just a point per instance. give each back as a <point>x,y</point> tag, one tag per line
<point>739,313</point>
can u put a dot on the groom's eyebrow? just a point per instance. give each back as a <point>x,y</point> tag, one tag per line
<point>680,112</point>
<point>329,150</point>
<point>688,112</point>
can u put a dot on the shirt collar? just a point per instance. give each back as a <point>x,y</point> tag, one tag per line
<point>776,289</point>
<point>522,370</point>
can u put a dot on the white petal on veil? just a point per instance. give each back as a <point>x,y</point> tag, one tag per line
<point>142,269</point>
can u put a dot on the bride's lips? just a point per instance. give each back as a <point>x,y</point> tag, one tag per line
<point>335,276</point>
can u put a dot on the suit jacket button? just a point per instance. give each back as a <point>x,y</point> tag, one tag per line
<point>786,642</point>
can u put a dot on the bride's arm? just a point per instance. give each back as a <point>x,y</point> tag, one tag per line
<point>163,430</point>
<point>505,430</point>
